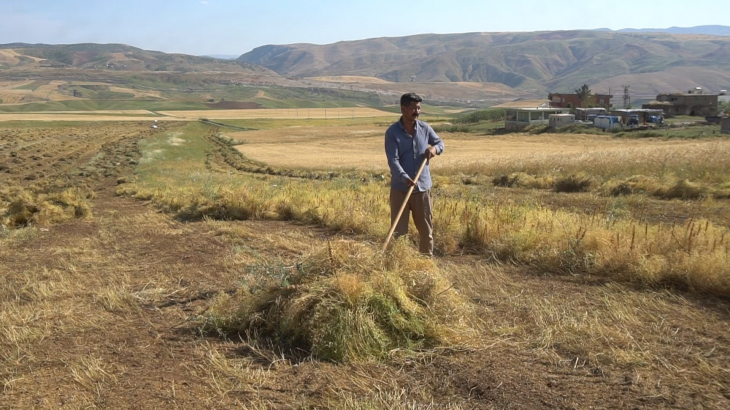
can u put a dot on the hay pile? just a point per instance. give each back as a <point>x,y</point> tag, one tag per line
<point>349,302</point>
<point>26,207</point>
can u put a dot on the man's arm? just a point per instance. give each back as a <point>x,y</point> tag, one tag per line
<point>391,152</point>
<point>437,145</point>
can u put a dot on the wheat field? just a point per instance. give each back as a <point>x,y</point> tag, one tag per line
<point>282,113</point>
<point>361,146</point>
<point>163,269</point>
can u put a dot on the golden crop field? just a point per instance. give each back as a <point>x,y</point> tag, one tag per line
<point>83,117</point>
<point>282,113</point>
<point>19,92</point>
<point>197,266</point>
<point>362,147</point>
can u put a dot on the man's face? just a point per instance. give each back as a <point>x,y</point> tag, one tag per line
<point>412,111</point>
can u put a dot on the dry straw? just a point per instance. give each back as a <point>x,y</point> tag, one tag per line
<point>24,207</point>
<point>350,302</point>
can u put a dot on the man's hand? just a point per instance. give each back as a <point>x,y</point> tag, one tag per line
<point>430,152</point>
<point>410,182</point>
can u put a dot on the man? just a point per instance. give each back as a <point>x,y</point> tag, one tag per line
<point>408,143</point>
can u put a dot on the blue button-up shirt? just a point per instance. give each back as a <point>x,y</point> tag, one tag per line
<point>405,154</point>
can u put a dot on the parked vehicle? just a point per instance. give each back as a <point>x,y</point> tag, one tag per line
<point>607,122</point>
<point>633,121</point>
<point>655,119</point>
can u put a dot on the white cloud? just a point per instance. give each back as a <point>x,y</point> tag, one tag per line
<point>204,2</point>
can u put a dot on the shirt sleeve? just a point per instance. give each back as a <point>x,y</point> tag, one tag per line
<point>393,155</point>
<point>435,141</point>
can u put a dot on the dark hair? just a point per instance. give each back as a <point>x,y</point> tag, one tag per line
<point>407,98</point>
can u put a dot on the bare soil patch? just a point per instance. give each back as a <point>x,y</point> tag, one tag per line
<point>36,153</point>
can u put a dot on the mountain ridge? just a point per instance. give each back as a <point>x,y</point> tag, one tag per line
<point>535,62</point>
<point>120,57</point>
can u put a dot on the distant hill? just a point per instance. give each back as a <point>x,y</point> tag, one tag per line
<point>532,63</point>
<point>707,30</point>
<point>118,57</point>
<point>461,69</point>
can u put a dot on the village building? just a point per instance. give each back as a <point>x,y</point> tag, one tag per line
<point>725,125</point>
<point>693,102</point>
<point>558,100</point>
<point>519,118</point>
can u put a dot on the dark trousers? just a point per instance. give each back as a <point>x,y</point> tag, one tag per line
<point>420,205</point>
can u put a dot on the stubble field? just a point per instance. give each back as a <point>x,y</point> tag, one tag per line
<point>184,276</point>
<point>361,146</point>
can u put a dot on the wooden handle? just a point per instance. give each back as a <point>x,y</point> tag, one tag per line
<point>405,202</point>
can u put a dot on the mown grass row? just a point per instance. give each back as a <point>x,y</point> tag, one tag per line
<point>667,172</point>
<point>666,188</point>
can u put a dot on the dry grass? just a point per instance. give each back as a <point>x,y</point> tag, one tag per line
<point>694,255</point>
<point>607,309</point>
<point>543,156</point>
<point>23,207</point>
<point>348,303</point>
<point>602,328</point>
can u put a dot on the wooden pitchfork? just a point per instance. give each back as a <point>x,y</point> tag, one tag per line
<point>405,202</point>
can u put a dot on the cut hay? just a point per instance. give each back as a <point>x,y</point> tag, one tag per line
<point>636,184</point>
<point>349,302</point>
<point>24,207</point>
<point>683,189</point>
<point>523,180</point>
<point>580,182</point>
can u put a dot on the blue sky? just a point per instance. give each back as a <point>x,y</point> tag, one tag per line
<point>235,27</point>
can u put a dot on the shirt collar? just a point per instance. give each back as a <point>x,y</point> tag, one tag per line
<point>400,124</point>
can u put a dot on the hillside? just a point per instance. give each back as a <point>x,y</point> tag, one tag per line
<point>113,57</point>
<point>43,77</point>
<point>471,69</point>
<point>533,63</point>
<point>67,75</point>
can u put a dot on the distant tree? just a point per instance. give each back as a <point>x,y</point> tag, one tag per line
<point>583,93</point>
